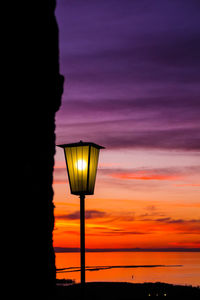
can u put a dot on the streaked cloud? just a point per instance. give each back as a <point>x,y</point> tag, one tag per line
<point>89,214</point>
<point>144,175</point>
<point>170,173</point>
<point>132,78</point>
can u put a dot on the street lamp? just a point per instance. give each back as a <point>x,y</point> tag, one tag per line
<point>81,161</point>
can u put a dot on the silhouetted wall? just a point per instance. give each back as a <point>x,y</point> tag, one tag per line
<point>33,95</point>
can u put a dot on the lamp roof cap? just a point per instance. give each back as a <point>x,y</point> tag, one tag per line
<point>81,143</point>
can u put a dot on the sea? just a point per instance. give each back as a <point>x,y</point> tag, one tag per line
<point>136,267</point>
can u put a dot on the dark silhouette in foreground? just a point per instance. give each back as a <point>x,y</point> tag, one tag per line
<point>126,291</point>
<point>32,87</point>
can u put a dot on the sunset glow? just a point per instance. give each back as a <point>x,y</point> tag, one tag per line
<point>132,86</point>
<point>141,208</point>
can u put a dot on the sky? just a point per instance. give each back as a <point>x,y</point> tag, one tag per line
<point>132,72</point>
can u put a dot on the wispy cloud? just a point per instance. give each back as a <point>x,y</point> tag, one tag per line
<point>168,173</point>
<point>178,221</point>
<point>144,175</point>
<point>117,232</point>
<point>151,211</point>
<point>175,226</point>
<point>89,214</point>
<point>130,136</point>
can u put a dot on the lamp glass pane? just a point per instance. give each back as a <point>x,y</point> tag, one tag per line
<point>77,163</point>
<point>94,156</point>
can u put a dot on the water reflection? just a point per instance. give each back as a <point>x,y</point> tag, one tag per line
<point>132,267</point>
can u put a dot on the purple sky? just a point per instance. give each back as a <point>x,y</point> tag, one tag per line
<point>132,73</point>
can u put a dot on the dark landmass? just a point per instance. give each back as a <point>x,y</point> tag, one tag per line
<point>64,281</point>
<point>99,268</point>
<point>126,291</point>
<point>72,250</point>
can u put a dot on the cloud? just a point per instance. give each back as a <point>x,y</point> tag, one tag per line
<point>89,214</point>
<point>132,73</point>
<point>118,232</point>
<point>144,175</point>
<point>181,226</point>
<point>94,214</point>
<point>123,134</point>
<point>151,208</point>
<point>156,174</point>
<point>162,222</point>
<point>122,217</point>
<point>170,139</point>
<point>152,211</point>
<point>59,181</point>
<point>60,175</point>
<point>129,39</point>
<point>106,217</point>
<point>153,60</point>
<point>158,103</point>
<point>166,220</point>
<point>178,221</point>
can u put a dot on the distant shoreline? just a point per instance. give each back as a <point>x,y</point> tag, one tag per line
<point>77,250</point>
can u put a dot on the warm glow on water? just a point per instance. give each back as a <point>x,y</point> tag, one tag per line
<point>188,273</point>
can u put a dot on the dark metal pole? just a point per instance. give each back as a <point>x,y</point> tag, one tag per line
<point>82,227</point>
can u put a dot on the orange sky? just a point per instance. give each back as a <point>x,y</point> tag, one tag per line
<point>142,199</point>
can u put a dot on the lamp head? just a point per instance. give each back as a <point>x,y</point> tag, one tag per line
<point>81,161</point>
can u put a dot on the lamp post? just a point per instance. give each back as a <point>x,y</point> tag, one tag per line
<point>81,161</point>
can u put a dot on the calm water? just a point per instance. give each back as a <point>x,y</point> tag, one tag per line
<point>188,273</point>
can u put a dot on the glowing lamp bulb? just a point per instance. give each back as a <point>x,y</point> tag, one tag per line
<point>81,164</point>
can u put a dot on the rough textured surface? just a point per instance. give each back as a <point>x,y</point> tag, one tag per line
<point>32,96</point>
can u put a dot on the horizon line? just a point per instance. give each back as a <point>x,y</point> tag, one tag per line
<point>75,250</point>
